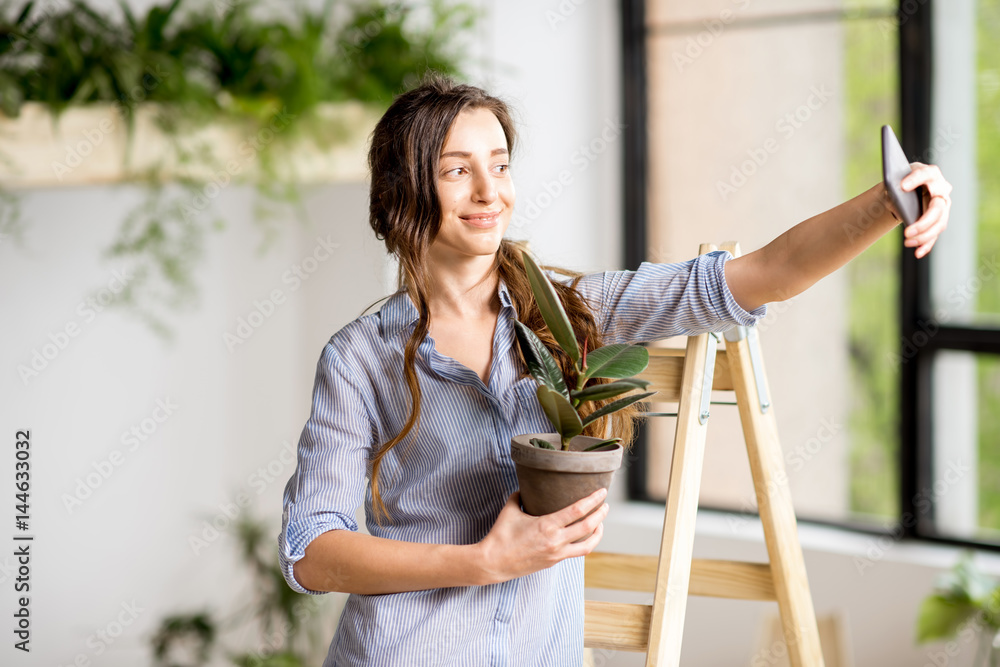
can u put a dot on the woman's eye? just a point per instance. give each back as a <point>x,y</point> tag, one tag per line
<point>502,168</point>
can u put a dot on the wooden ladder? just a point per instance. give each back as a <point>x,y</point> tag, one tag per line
<point>687,377</point>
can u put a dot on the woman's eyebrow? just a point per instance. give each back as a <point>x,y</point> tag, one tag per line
<point>496,151</point>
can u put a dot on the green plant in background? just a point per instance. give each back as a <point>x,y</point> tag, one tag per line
<point>228,63</point>
<point>617,362</point>
<point>965,603</point>
<point>283,622</point>
<point>239,60</point>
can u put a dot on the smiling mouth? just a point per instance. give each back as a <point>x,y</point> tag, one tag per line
<point>481,220</point>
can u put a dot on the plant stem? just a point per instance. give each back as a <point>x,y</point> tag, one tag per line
<point>581,380</point>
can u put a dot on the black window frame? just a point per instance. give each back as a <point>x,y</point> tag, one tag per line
<point>916,63</point>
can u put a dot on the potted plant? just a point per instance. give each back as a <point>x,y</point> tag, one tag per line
<point>555,470</point>
<point>965,606</point>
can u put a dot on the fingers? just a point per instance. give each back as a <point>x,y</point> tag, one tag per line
<point>929,176</point>
<point>930,225</point>
<point>581,508</point>
<point>585,546</point>
<point>578,523</point>
<point>584,529</point>
<point>923,234</point>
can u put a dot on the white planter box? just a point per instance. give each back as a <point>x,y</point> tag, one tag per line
<point>89,145</point>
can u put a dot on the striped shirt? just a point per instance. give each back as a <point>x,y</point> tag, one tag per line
<point>447,483</point>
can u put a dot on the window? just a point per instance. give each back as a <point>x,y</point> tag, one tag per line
<point>744,119</point>
<point>953,332</point>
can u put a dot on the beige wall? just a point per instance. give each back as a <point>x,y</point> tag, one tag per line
<point>746,139</point>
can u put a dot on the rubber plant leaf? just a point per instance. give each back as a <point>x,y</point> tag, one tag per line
<point>551,308</point>
<point>603,443</point>
<point>615,406</point>
<point>541,364</point>
<point>561,413</point>
<point>599,392</point>
<point>616,361</point>
<point>542,444</point>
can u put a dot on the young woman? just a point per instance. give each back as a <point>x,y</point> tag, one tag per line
<point>414,406</point>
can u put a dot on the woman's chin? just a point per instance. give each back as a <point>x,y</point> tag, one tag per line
<point>481,245</point>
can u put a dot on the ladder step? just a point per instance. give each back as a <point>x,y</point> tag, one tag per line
<point>674,414</point>
<point>732,579</point>
<point>709,578</point>
<point>615,625</point>
<point>666,367</point>
<point>619,572</point>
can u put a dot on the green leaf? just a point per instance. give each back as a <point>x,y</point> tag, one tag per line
<point>602,443</point>
<point>615,406</point>
<point>941,617</point>
<point>551,308</point>
<point>599,392</point>
<point>616,361</point>
<point>560,412</point>
<point>541,444</point>
<point>541,364</point>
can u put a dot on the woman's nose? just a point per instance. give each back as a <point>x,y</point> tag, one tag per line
<point>484,188</point>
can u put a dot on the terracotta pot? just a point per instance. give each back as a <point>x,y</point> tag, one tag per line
<point>553,479</point>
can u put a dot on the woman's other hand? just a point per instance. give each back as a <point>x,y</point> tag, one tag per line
<point>519,544</point>
<point>923,233</point>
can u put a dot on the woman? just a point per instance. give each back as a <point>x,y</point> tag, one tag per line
<point>423,397</point>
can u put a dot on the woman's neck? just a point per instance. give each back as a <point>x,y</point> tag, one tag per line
<point>464,288</point>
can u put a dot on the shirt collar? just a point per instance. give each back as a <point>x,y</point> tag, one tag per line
<point>399,314</point>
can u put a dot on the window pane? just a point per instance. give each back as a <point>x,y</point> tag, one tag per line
<point>965,142</point>
<point>988,159</point>
<point>871,100</point>
<point>965,483</point>
<point>744,142</point>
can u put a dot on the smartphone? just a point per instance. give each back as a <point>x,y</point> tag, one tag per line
<point>895,167</point>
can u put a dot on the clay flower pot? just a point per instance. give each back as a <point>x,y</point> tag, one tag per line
<point>551,479</point>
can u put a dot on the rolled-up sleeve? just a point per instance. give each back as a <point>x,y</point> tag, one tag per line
<point>329,479</point>
<point>663,300</point>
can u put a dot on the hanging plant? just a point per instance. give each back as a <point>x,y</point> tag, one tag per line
<point>266,83</point>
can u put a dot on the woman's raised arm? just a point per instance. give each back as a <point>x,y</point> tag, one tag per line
<point>812,249</point>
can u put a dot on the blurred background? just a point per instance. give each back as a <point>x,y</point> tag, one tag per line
<point>183,207</point>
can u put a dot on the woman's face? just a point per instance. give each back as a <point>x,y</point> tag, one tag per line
<point>474,187</point>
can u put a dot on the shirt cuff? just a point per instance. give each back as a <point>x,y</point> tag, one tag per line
<point>729,306</point>
<point>295,536</point>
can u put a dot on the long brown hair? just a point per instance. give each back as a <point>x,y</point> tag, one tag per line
<point>405,214</point>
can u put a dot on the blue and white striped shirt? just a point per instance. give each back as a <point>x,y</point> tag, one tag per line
<point>448,482</point>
